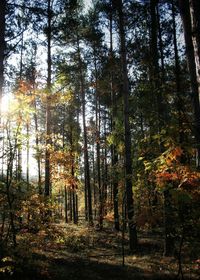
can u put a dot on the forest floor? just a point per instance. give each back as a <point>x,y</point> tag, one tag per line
<point>84,253</point>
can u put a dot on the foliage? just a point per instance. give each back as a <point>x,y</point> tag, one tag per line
<point>82,140</point>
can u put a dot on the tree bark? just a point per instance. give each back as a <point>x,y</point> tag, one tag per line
<point>177,74</point>
<point>72,177</point>
<point>2,45</point>
<point>27,152</point>
<point>97,120</point>
<point>66,205</point>
<point>195,19</point>
<point>114,155</point>
<point>187,26</point>
<point>127,134</point>
<point>37,147</point>
<point>158,82</point>
<point>19,144</point>
<point>168,224</point>
<point>154,71</point>
<point>88,196</point>
<point>48,105</point>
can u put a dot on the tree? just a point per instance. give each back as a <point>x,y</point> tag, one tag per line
<point>94,38</point>
<point>108,79</point>
<point>113,123</point>
<point>48,104</point>
<point>127,131</point>
<point>2,45</point>
<point>195,20</point>
<point>188,26</point>
<point>74,37</point>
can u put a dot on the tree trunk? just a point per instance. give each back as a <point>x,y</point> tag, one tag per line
<point>76,207</point>
<point>154,72</point>
<point>128,158</point>
<point>72,177</point>
<point>37,147</point>
<point>168,224</point>
<point>187,26</point>
<point>160,47</point>
<point>113,147</point>
<point>66,205</point>
<point>94,184</point>
<point>88,196</point>
<point>158,82</point>
<point>195,17</point>
<point>2,46</point>
<point>70,205</point>
<point>48,105</point>
<point>27,151</point>
<point>97,121</point>
<point>177,74</point>
<point>105,173</point>
<point>115,188</point>
<point>19,150</point>
<point>3,149</point>
<point>9,179</point>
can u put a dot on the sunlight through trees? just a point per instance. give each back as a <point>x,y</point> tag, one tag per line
<point>99,128</point>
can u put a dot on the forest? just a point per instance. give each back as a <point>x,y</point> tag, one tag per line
<point>99,139</point>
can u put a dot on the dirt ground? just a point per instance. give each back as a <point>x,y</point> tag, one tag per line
<point>97,255</point>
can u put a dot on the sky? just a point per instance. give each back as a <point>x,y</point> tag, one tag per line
<point>87,3</point>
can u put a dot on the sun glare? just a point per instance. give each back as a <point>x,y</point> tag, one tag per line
<point>5,103</point>
<point>9,105</point>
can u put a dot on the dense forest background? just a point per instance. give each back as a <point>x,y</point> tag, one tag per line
<point>100,133</point>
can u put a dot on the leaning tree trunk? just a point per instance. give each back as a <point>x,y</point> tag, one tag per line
<point>127,133</point>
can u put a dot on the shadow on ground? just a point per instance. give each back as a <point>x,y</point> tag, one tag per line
<point>62,269</point>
